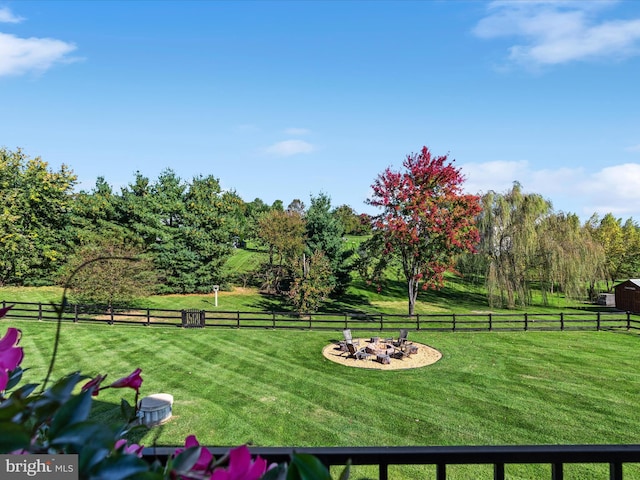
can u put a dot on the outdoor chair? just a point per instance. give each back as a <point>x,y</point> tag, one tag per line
<point>402,339</point>
<point>358,353</point>
<point>349,338</point>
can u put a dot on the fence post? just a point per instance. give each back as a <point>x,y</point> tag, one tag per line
<point>418,321</point>
<point>75,313</point>
<point>40,311</point>
<point>346,321</point>
<point>309,321</point>
<point>111,313</point>
<point>148,316</point>
<point>598,322</point>
<point>628,320</point>
<point>238,319</point>
<point>561,321</point>
<point>381,321</point>
<point>273,319</point>
<point>526,321</point>
<point>453,316</point>
<point>490,322</point>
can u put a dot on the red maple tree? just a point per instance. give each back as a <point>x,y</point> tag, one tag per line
<point>426,219</point>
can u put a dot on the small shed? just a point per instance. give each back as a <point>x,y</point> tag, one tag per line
<point>607,299</point>
<point>628,295</point>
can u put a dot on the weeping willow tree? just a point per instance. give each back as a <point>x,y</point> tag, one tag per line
<point>570,260</point>
<point>524,244</point>
<point>510,231</point>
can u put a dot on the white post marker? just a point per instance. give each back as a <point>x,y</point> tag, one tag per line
<point>215,292</point>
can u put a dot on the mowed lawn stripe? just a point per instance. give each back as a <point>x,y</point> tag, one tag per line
<point>275,387</point>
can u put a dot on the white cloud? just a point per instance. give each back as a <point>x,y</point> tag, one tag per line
<point>297,131</point>
<point>497,175</point>
<point>614,189</point>
<point>22,55</point>
<point>6,16</point>
<point>287,148</point>
<point>556,32</point>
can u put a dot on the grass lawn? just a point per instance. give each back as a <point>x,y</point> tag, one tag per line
<point>275,388</point>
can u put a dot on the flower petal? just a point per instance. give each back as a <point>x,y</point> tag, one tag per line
<point>3,311</point>
<point>10,359</point>
<point>10,339</point>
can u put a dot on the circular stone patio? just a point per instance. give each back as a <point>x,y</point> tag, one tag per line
<point>425,356</point>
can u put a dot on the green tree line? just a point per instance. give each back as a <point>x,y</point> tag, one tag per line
<point>182,233</point>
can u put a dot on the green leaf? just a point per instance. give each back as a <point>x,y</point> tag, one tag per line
<point>185,460</point>
<point>14,378</point>
<point>307,467</point>
<point>119,467</point>
<point>276,473</point>
<point>61,390</point>
<point>13,437</point>
<point>89,456</point>
<point>346,472</point>
<point>75,410</point>
<point>128,412</point>
<point>81,433</point>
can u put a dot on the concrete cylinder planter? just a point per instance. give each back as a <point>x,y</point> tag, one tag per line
<point>155,409</point>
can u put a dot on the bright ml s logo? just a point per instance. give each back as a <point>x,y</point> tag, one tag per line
<point>39,467</point>
<point>28,466</point>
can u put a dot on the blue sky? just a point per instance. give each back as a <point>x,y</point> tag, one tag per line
<point>284,100</point>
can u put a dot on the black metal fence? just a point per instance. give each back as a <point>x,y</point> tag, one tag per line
<point>556,456</point>
<point>515,321</point>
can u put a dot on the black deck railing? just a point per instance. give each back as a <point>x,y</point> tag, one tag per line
<point>556,456</point>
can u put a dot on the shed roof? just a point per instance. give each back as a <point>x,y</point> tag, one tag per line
<point>635,281</point>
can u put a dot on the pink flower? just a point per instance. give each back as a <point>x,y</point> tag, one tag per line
<point>134,380</point>
<point>10,355</point>
<point>241,467</point>
<point>133,448</point>
<point>94,384</point>
<point>205,455</point>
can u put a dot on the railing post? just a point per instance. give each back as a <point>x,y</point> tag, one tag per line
<point>453,321</point>
<point>238,319</point>
<point>598,322</point>
<point>490,322</point>
<point>310,322</point>
<point>346,321</point>
<point>418,321</point>
<point>383,471</point>
<point>628,320</point>
<point>381,321</point>
<point>148,316</point>
<point>40,310</point>
<point>111,312</point>
<point>557,472</point>
<point>615,471</point>
<point>498,471</point>
<point>562,321</point>
<point>441,471</point>
<point>75,313</point>
<point>273,319</point>
<point>526,321</point>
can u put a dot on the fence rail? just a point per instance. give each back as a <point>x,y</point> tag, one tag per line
<point>556,456</point>
<point>455,322</point>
